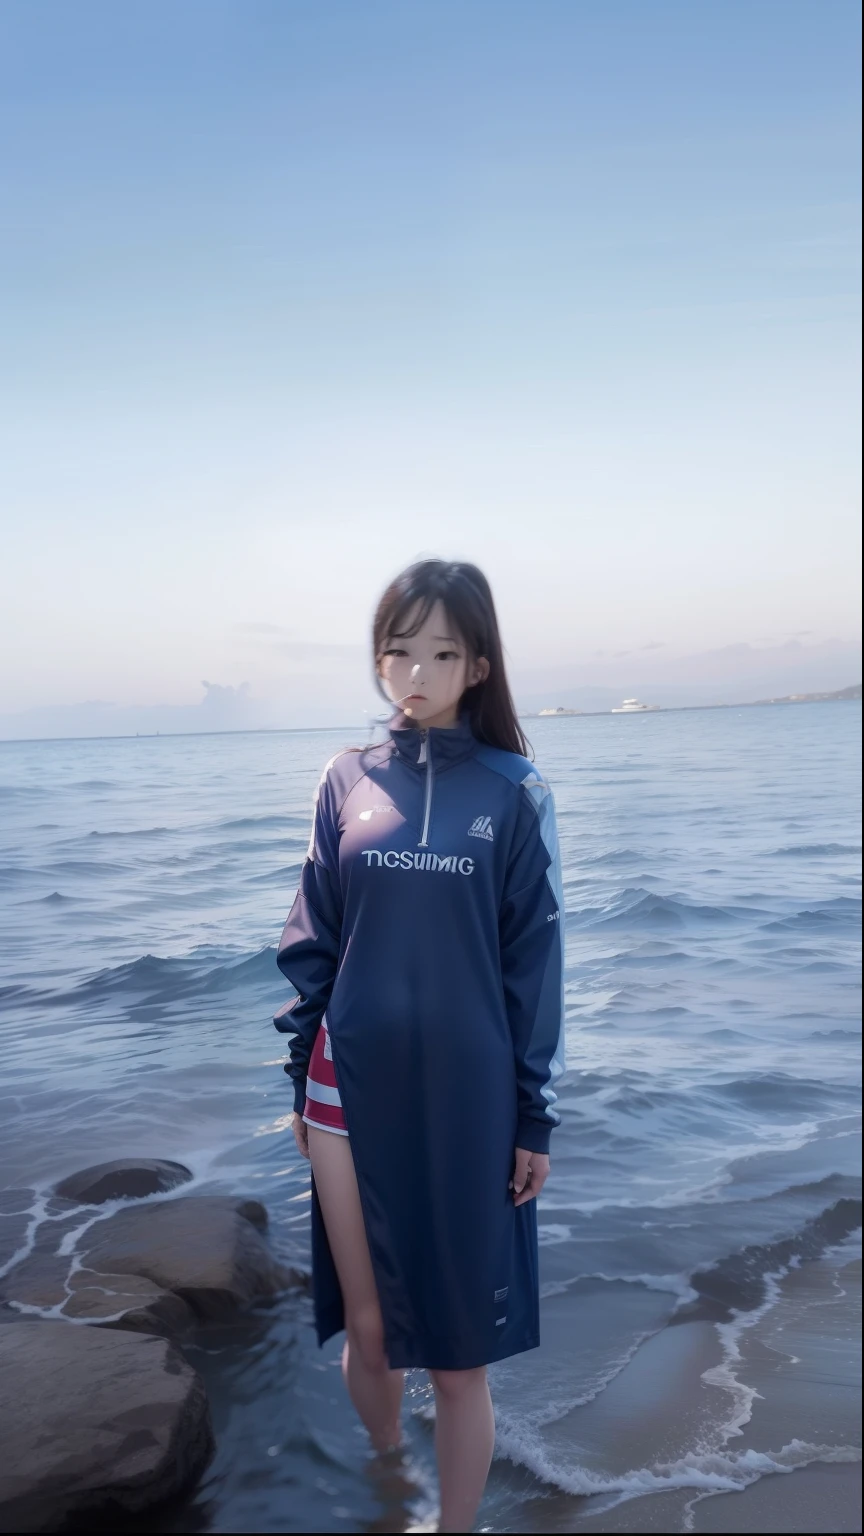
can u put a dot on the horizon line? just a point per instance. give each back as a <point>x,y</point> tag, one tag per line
<point>833,697</point>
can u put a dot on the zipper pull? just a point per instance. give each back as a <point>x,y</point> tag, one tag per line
<point>422,756</point>
<point>426,757</point>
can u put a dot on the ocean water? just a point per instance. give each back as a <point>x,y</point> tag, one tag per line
<point>710,1145</point>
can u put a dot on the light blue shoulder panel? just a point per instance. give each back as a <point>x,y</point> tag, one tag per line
<point>520,771</point>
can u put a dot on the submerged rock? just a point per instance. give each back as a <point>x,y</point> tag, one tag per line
<point>16,1206</point>
<point>127,1178</point>
<point>154,1268</point>
<point>207,1249</point>
<point>50,1283</point>
<point>94,1421</point>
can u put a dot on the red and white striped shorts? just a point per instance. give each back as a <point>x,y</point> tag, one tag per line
<point>323,1104</point>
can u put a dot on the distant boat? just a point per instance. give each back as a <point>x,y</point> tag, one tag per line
<point>633,707</point>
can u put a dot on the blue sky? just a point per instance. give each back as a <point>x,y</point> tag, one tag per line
<point>293,292</point>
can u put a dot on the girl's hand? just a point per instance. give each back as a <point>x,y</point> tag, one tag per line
<point>301,1134</point>
<point>529,1175</point>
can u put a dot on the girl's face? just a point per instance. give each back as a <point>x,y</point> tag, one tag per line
<point>427,673</point>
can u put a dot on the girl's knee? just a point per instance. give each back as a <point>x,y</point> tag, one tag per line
<point>454,1385</point>
<point>366,1337</point>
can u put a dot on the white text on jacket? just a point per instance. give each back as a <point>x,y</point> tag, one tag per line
<point>393,860</point>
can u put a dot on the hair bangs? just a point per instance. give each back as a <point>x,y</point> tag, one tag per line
<point>410,615</point>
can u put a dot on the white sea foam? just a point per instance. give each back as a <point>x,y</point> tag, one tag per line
<point>530,1421</point>
<point>724,1374</point>
<point>550,1233</point>
<point>847,1250</point>
<point>709,1471</point>
<point>677,1285</point>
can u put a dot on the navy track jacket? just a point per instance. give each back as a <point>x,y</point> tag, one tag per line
<point>428,927</point>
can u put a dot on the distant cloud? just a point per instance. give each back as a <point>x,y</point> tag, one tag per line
<point>279,641</point>
<point>654,645</point>
<point>260,629</point>
<point>309,650</point>
<point>218,695</point>
<point>789,637</point>
<point>223,691</point>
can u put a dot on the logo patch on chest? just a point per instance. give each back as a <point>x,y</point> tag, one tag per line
<point>376,810</point>
<point>481,826</point>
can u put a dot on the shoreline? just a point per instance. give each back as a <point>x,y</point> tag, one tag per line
<point>843,696</point>
<point>754,1425</point>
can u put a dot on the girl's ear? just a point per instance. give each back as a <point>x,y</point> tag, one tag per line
<point>479,671</point>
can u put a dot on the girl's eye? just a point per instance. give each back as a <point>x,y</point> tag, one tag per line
<point>395,651</point>
<point>447,656</point>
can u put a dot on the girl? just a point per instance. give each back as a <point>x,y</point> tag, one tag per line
<point>425,949</point>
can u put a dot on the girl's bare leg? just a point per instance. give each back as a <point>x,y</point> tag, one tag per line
<point>464,1442</point>
<point>374,1389</point>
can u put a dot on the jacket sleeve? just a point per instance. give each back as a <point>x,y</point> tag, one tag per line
<point>308,952</point>
<point>531,932</point>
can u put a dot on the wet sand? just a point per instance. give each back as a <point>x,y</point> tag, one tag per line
<point>767,1406</point>
<point>817,1498</point>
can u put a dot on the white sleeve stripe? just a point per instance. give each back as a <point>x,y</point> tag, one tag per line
<point>540,794</point>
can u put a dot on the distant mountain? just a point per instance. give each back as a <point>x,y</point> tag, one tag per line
<point>729,675</point>
<point>816,698</point>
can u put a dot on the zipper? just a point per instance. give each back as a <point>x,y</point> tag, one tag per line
<point>426,757</point>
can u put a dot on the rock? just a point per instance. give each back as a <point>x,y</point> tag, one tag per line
<point>204,1248</point>
<point>29,1224</point>
<point>94,1421</point>
<point>255,1212</point>
<point>128,1178</point>
<point>154,1268</point>
<point>52,1282</point>
<point>47,1277</point>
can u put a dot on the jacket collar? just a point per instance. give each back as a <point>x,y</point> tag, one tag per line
<point>446,744</point>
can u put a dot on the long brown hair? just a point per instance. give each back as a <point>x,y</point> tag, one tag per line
<point>467,599</point>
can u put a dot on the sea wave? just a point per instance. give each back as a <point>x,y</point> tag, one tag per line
<point>636,907</point>
<point>119,833</point>
<point>281,823</point>
<point>740,1282</point>
<point>816,850</point>
<point>178,975</point>
<point>204,971</point>
<point>842,913</point>
<point>710,1471</point>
